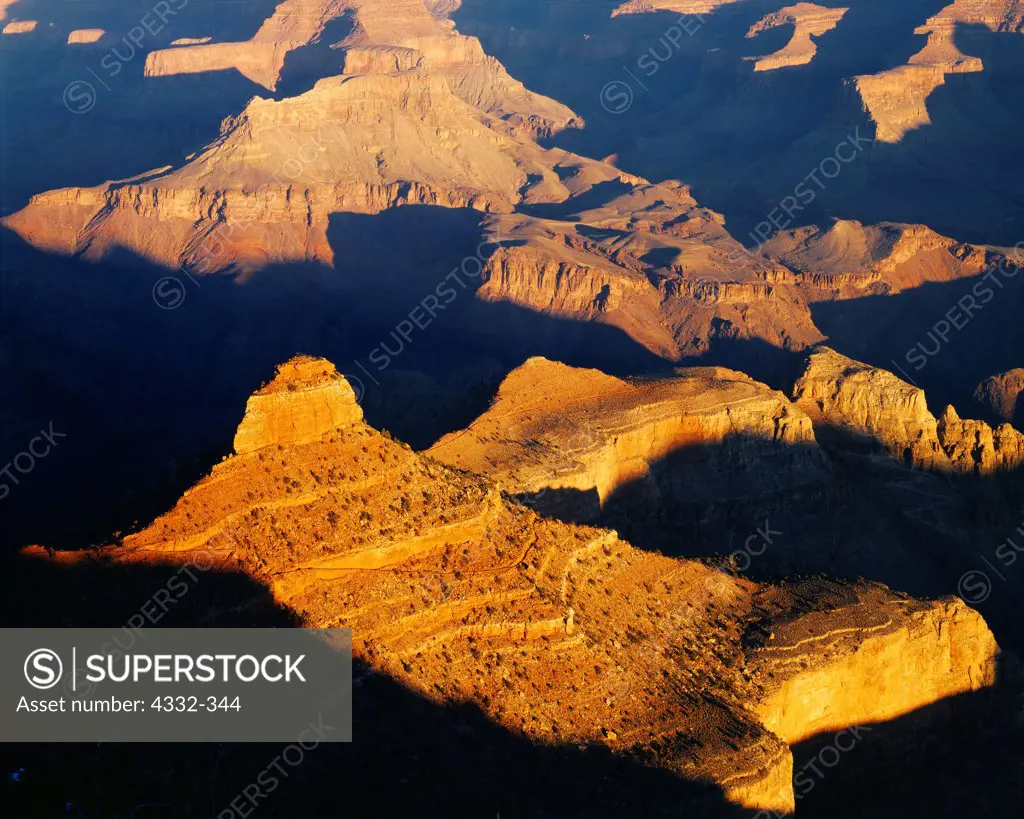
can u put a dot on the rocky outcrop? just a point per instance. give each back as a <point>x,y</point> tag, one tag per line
<point>896,99</point>
<point>851,260</point>
<point>681,6</point>
<point>855,402</point>
<point>653,263</point>
<point>561,634</point>
<point>975,447</point>
<point>1000,395</point>
<point>305,402</point>
<point>809,21</point>
<point>263,191</point>
<point>293,25</point>
<point>86,35</point>
<point>867,659</point>
<point>561,436</point>
<point>385,35</point>
<point>20,27</point>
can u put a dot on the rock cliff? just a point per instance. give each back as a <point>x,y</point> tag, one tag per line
<point>867,658</point>
<point>564,436</point>
<point>305,402</point>
<point>848,259</point>
<point>263,191</point>
<point>653,263</point>
<point>379,32</point>
<point>852,401</point>
<point>1000,395</point>
<point>896,98</point>
<point>559,633</point>
<point>809,21</point>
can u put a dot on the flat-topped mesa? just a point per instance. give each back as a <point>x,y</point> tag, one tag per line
<point>307,400</point>
<point>808,20</point>
<point>853,402</point>
<point>573,437</point>
<point>680,6</point>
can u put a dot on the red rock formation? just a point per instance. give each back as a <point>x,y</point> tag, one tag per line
<point>809,20</point>
<point>849,398</point>
<point>553,427</point>
<point>559,633</point>
<point>1000,394</point>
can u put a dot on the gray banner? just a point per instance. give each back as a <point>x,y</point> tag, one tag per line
<point>175,685</point>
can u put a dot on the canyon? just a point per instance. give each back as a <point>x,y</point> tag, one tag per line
<point>638,381</point>
<point>461,594</point>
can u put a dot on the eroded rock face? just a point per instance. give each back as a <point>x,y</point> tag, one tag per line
<point>896,99</point>
<point>571,436</point>
<point>1000,394</point>
<point>652,263</point>
<point>306,401</point>
<point>851,260</point>
<point>380,29</point>
<point>263,191</point>
<point>559,633</point>
<point>419,115</point>
<point>974,447</point>
<point>868,659</point>
<point>855,399</point>
<point>852,400</point>
<point>809,20</point>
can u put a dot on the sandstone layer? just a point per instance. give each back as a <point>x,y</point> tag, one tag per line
<point>559,633</point>
<point>652,262</point>
<point>857,402</point>
<point>263,191</point>
<point>809,20</point>
<point>377,29</point>
<point>305,398</point>
<point>896,98</point>
<point>851,260</point>
<point>568,439</point>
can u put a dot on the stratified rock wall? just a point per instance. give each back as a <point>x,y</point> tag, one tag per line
<point>870,660</point>
<point>855,401</point>
<point>306,401</point>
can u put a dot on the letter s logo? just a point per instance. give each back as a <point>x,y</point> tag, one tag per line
<point>43,668</point>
